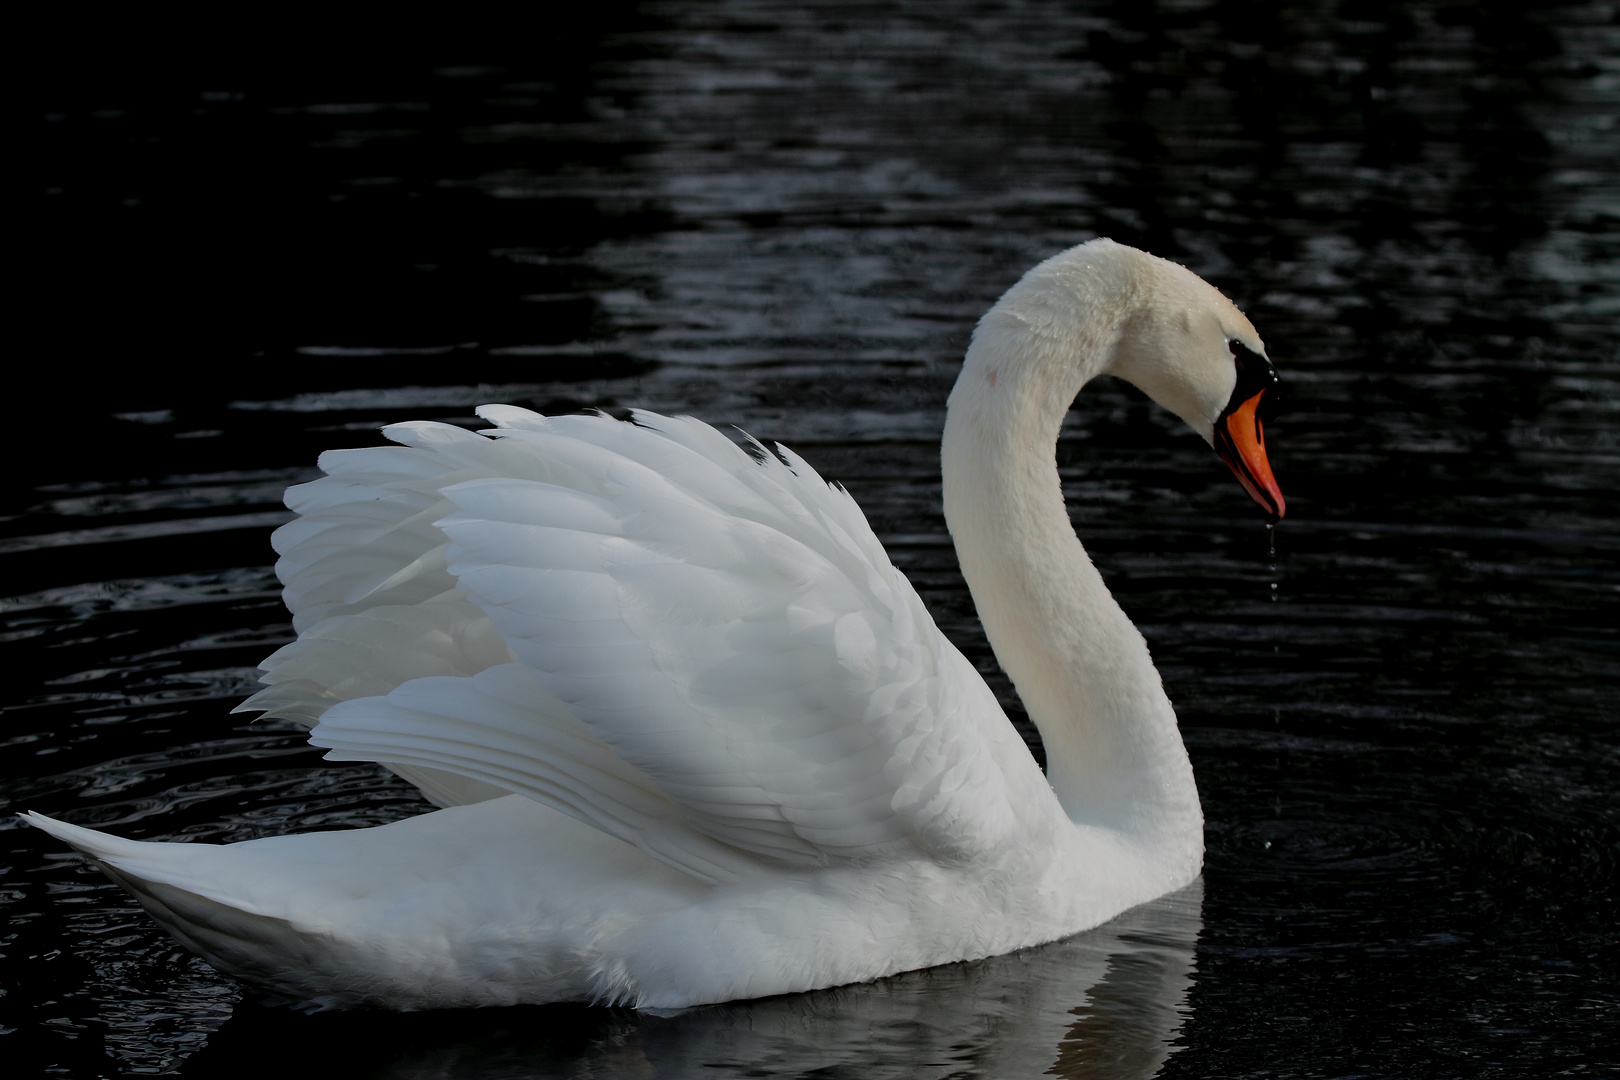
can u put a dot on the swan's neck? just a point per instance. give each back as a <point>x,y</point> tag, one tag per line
<point>1114,754</point>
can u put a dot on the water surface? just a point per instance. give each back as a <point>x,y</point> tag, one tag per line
<point>788,219</point>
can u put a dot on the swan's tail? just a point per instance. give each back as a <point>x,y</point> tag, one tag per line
<point>182,886</point>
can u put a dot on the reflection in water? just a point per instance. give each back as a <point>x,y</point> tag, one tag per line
<point>1104,1005</point>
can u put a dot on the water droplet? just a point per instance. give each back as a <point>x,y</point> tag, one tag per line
<point>1271,556</point>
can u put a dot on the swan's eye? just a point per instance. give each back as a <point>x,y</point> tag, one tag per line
<point>1255,375</point>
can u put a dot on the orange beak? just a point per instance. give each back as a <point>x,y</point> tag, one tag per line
<point>1241,442</point>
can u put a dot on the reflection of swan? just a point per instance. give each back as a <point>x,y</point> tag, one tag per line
<point>746,761</point>
<point>1106,1005</point>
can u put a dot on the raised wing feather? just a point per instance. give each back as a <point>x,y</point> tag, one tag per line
<point>503,728</point>
<point>728,627</point>
<point>364,577</point>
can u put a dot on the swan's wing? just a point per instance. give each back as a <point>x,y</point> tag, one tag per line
<point>364,577</point>
<point>729,628</point>
<point>504,729</point>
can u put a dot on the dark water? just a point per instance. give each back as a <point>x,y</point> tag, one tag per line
<point>786,218</point>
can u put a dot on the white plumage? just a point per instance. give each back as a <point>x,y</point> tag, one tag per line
<point>695,735</point>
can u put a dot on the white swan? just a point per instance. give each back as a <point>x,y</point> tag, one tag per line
<point>745,761</point>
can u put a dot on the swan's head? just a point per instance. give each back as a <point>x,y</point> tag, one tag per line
<point>1191,350</point>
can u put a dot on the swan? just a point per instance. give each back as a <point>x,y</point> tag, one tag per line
<point>694,738</point>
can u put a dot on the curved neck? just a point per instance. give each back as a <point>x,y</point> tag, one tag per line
<point>1114,755</point>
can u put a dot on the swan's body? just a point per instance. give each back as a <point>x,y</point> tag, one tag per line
<point>697,738</point>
